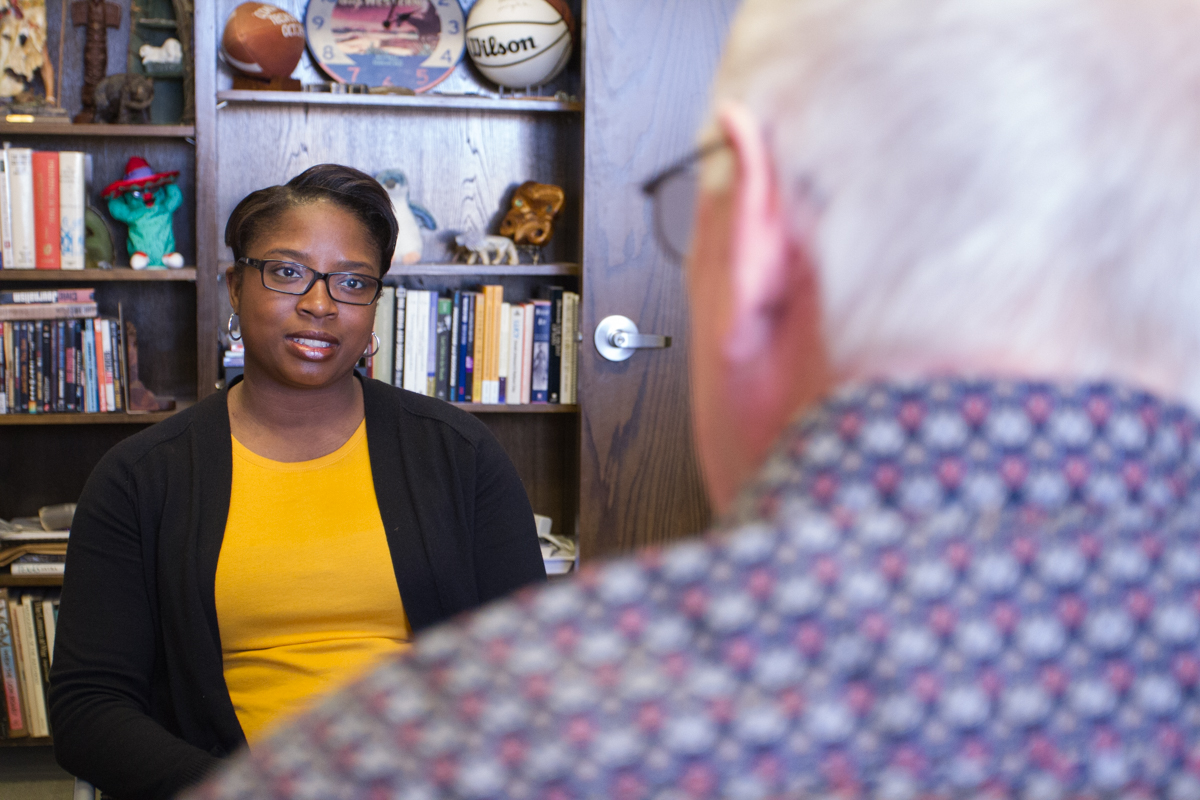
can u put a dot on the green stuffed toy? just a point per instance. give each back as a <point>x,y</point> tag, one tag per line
<point>146,201</point>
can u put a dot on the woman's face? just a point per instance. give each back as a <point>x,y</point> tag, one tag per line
<point>305,341</point>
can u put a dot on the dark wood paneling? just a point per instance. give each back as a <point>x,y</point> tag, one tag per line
<point>543,450</point>
<point>648,68</point>
<point>462,165</point>
<point>207,224</point>
<point>46,464</point>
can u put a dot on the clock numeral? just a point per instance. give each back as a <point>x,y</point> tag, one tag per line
<point>318,22</point>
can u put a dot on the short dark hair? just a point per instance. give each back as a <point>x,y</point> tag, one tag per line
<point>346,187</point>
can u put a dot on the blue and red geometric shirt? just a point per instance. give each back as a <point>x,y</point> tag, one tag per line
<point>947,589</point>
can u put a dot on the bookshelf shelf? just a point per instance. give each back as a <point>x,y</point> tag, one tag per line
<point>97,129</point>
<point>31,580</point>
<point>530,408</point>
<point>96,275</point>
<point>398,101</point>
<point>473,270</point>
<point>28,741</point>
<point>103,418</point>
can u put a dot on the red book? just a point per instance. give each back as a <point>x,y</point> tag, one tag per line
<point>46,211</point>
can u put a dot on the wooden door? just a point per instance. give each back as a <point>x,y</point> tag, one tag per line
<point>647,71</point>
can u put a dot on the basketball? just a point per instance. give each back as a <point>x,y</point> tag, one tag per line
<point>520,43</point>
<point>262,40</point>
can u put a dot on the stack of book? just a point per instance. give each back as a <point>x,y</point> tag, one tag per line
<point>473,347</point>
<point>57,355</point>
<point>27,626</point>
<point>42,203</point>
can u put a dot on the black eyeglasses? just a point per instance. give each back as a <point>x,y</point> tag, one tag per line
<point>288,277</point>
<point>673,193</point>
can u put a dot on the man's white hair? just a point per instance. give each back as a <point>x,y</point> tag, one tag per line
<point>1004,184</point>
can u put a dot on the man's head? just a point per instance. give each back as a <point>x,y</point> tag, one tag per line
<point>919,187</point>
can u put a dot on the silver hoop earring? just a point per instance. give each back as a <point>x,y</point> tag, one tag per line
<point>378,344</point>
<point>229,328</point>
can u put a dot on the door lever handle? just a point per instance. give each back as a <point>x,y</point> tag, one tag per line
<point>617,338</point>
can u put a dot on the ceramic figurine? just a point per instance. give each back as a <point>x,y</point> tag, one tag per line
<point>98,16</point>
<point>408,215</point>
<point>478,248</point>
<point>530,220</point>
<point>145,200</point>
<point>124,98</point>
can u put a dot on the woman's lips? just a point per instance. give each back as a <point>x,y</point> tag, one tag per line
<point>312,346</point>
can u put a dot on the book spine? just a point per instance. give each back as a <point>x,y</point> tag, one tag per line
<point>431,329</point>
<point>455,325</point>
<point>43,643</point>
<point>3,368</point>
<point>77,349</point>
<point>43,296</point>
<point>468,357</point>
<point>69,366</point>
<point>480,329</point>
<point>442,367</point>
<point>554,370</point>
<point>72,203</point>
<point>401,310</point>
<point>410,328</point>
<point>60,369</point>
<point>17,724</point>
<point>51,623</point>
<point>527,353</point>
<point>6,235</point>
<point>540,382</point>
<point>44,367</point>
<point>32,671</point>
<point>110,403</point>
<point>91,399</point>
<point>570,375</point>
<point>504,352</point>
<point>47,211</point>
<point>15,312</point>
<point>118,366</point>
<point>38,569</point>
<point>516,322</point>
<point>21,350</point>
<point>20,162</point>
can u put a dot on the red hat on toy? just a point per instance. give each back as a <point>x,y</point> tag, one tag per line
<point>138,175</point>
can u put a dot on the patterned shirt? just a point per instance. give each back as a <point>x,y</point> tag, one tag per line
<point>932,590</point>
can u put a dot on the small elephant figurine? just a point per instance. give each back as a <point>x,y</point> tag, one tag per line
<point>408,215</point>
<point>120,97</point>
<point>146,201</point>
<point>477,248</point>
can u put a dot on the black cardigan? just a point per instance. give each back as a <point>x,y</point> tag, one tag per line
<point>138,703</point>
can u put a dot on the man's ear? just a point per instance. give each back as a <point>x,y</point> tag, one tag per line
<point>233,283</point>
<point>759,246</point>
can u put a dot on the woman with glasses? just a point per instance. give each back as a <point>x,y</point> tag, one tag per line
<point>250,553</point>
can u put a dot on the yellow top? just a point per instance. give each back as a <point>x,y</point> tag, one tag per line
<point>306,594</point>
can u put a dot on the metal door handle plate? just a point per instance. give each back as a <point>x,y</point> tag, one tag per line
<point>617,338</point>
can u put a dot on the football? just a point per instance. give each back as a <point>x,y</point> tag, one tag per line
<point>262,40</point>
<point>520,43</point>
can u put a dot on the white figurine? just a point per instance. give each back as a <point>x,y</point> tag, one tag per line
<point>408,214</point>
<point>487,250</point>
<point>171,52</point>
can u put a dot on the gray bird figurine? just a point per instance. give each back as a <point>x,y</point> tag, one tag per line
<point>408,215</point>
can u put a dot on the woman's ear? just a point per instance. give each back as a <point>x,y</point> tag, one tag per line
<point>233,283</point>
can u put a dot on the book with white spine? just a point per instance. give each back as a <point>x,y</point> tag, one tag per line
<point>20,195</point>
<point>71,202</point>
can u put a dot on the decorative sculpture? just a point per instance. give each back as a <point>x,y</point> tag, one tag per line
<point>145,201</point>
<point>408,214</point>
<point>487,250</point>
<point>530,220</point>
<point>141,399</point>
<point>124,98</point>
<point>98,16</point>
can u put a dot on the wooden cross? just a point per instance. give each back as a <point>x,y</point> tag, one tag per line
<point>98,16</point>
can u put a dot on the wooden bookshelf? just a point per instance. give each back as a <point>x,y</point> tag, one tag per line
<point>96,275</point>
<point>96,418</point>
<point>28,741</point>
<point>469,102</point>
<point>30,580</point>
<point>482,270</point>
<point>525,408</point>
<point>97,129</point>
